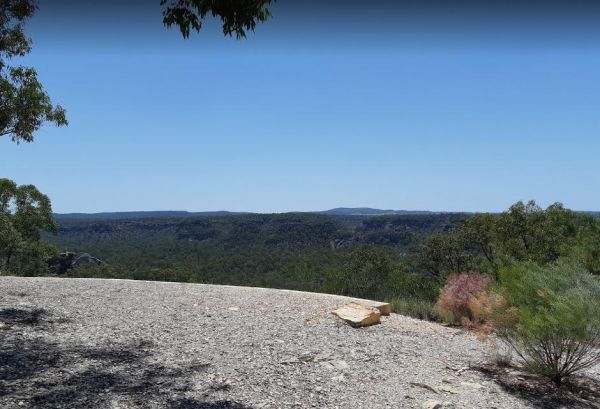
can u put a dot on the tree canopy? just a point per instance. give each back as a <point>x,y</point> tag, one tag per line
<point>24,213</point>
<point>24,105</point>
<point>238,16</point>
<point>524,233</point>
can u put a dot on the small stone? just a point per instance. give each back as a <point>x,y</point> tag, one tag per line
<point>322,356</point>
<point>432,404</point>
<point>339,364</point>
<point>473,385</point>
<point>448,389</point>
<point>306,357</point>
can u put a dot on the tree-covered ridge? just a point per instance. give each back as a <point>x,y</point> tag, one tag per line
<point>272,230</point>
<point>304,251</point>
<point>299,250</point>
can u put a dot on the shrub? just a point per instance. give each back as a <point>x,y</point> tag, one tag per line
<point>491,312</point>
<point>94,271</point>
<point>419,308</point>
<point>454,305</point>
<point>413,286</point>
<point>556,332</point>
<point>500,354</point>
<point>31,259</point>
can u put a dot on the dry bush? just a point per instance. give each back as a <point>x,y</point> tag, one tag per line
<point>492,312</point>
<point>457,299</point>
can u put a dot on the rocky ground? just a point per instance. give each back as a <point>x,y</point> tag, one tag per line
<point>84,343</point>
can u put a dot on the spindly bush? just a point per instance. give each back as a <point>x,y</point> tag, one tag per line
<point>556,332</point>
<point>419,308</point>
<point>454,303</point>
<point>492,312</point>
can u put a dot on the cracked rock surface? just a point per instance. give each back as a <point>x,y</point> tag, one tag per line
<point>91,343</point>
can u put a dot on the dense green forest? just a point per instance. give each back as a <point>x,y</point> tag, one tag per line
<point>293,250</point>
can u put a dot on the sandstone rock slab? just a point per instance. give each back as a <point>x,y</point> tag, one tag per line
<point>358,315</point>
<point>383,307</point>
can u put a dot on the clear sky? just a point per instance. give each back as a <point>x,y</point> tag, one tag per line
<point>392,106</point>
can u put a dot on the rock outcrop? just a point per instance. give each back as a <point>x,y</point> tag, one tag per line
<point>62,263</point>
<point>86,258</point>
<point>67,260</point>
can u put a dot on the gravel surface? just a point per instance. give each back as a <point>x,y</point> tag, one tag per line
<point>87,343</point>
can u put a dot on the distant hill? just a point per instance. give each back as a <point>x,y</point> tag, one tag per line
<point>339,211</point>
<point>368,211</point>
<point>141,215</point>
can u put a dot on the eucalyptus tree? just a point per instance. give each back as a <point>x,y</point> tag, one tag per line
<point>237,16</point>
<point>24,104</point>
<point>25,212</point>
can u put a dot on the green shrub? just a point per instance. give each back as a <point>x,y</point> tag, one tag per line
<point>31,259</point>
<point>402,284</point>
<point>419,308</point>
<point>557,330</point>
<point>94,271</point>
<point>413,295</point>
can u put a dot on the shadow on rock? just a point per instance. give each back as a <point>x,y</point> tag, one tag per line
<point>194,404</point>
<point>22,316</point>
<point>579,392</point>
<point>37,373</point>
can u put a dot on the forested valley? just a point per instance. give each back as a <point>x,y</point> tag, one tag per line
<point>301,251</point>
<point>405,259</point>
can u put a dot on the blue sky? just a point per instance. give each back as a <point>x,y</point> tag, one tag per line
<point>390,108</point>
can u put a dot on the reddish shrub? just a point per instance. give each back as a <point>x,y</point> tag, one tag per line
<point>458,296</point>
